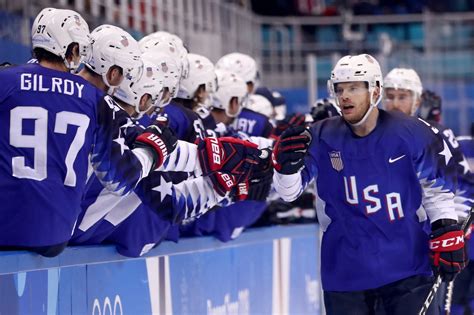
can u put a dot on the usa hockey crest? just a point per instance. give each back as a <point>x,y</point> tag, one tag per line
<point>336,160</point>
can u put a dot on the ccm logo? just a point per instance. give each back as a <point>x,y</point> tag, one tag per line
<point>446,243</point>
<point>216,151</point>
<point>227,180</point>
<point>157,140</point>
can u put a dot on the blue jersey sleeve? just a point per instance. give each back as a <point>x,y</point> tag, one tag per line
<point>117,166</point>
<point>184,122</point>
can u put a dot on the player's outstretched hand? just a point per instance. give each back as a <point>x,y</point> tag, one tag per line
<point>448,254</point>
<point>160,139</point>
<point>292,120</point>
<point>290,149</point>
<point>228,155</point>
<point>258,185</point>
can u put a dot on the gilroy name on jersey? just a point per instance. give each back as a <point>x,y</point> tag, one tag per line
<point>39,83</point>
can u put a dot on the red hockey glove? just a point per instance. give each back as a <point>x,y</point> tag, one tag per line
<point>228,155</point>
<point>223,183</point>
<point>448,252</point>
<point>289,151</point>
<point>160,139</point>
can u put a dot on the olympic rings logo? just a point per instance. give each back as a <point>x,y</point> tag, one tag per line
<point>106,308</point>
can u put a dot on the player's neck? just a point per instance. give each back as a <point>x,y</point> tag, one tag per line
<point>54,65</point>
<point>129,109</point>
<point>220,117</point>
<point>369,125</point>
<point>94,79</point>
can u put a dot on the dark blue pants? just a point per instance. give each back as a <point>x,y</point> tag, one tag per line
<point>463,292</point>
<point>403,297</point>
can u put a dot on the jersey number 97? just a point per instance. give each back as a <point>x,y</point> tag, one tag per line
<point>38,141</point>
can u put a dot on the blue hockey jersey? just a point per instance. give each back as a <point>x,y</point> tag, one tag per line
<point>466,145</point>
<point>253,124</point>
<point>51,123</point>
<point>184,122</point>
<point>372,189</point>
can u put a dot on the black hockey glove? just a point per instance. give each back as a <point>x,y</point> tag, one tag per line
<point>430,106</point>
<point>160,139</point>
<point>291,120</point>
<point>323,110</point>
<point>448,254</point>
<point>290,149</point>
<point>258,186</point>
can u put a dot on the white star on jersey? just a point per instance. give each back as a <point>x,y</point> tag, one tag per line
<point>465,165</point>
<point>123,146</point>
<point>446,153</point>
<point>164,188</point>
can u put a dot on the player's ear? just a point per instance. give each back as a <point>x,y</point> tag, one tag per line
<point>115,75</point>
<point>72,53</point>
<point>376,92</point>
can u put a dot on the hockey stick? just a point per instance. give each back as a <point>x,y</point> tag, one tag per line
<point>449,290</point>
<point>449,297</point>
<point>467,223</point>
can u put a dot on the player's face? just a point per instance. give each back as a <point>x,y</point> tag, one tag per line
<point>234,106</point>
<point>250,87</point>
<point>354,101</point>
<point>145,102</point>
<point>166,96</point>
<point>399,99</point>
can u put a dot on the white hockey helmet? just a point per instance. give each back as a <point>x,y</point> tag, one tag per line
<point>229,85</point>
<point>359,68</point>
<point>170,72</point>
<point>112,46</point>
<point>260,104</point>
<point>178,49</point>
<point>240,64</point>
<point>403,78</point>
<point>55,29</point>
<point>150,82</point>
<point>406,79</point>
<point>201,72</point>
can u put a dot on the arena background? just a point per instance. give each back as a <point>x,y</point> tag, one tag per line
<point>436,38</point>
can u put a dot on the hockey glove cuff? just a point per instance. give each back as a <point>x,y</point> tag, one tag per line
<point>160,139</point>
<point>222,183</point>
<point>448,254</point>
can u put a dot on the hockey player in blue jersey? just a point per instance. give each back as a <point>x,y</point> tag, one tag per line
<point>404,93</point>
<point>248,121</point>
<point>193,90</point>
<point>228,222</point>
<point>171,71</point>
<point>108,64</point>
<point>374,170</point>
<point>46,146</point>
<point>120,219</point>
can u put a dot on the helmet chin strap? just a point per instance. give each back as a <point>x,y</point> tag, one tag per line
<point>71,66</point>
<point>413,105</point>
<point>369,110</point>
<point>364,119</point>
<point>111,88</point>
